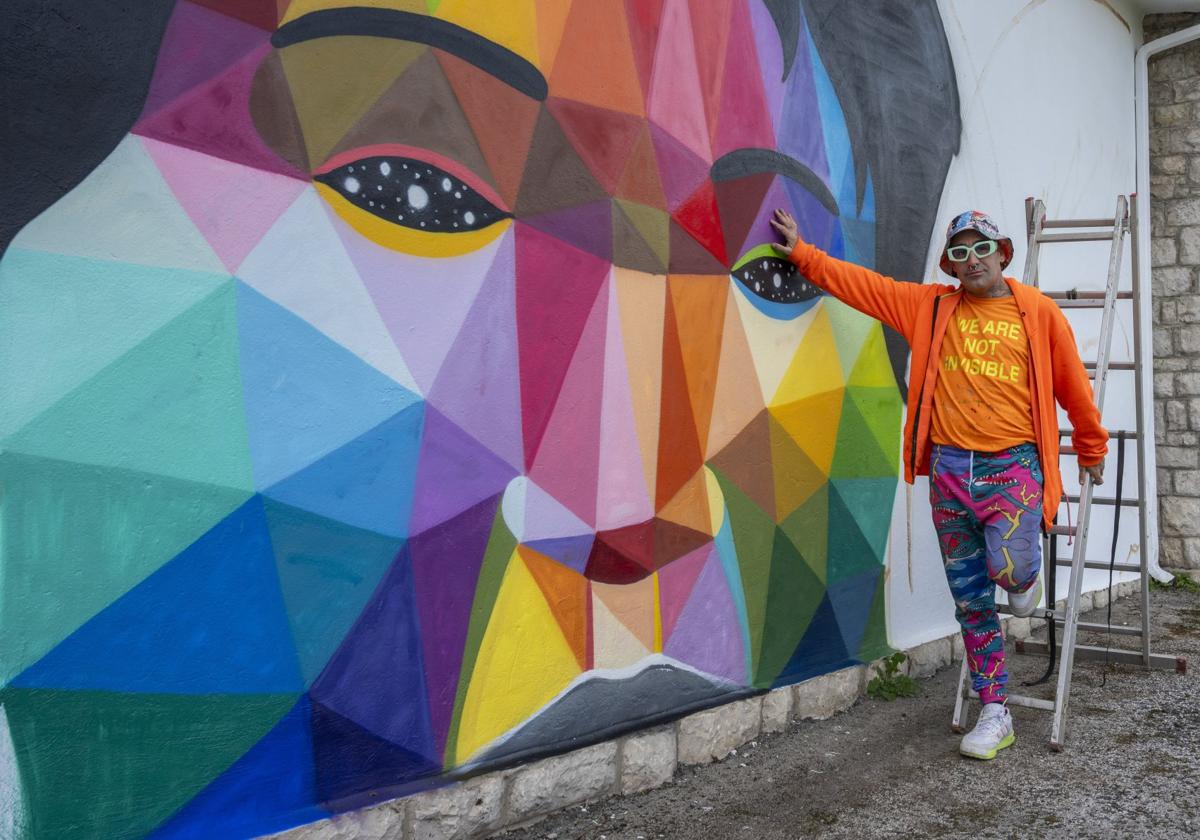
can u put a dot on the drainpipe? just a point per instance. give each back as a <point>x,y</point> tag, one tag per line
<point>1146,316</point>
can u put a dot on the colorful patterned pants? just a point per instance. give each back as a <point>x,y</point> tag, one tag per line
<point>987,509</point>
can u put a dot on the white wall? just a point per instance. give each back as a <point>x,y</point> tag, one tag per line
<point>1046,92</point>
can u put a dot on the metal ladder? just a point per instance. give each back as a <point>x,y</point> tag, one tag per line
<point>1086,230</point>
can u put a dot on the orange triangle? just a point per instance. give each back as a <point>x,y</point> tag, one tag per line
<point>566,593</point>
<point>595,63</point>
<point>640,181</point>
<point>812,423</point>
<point>737,398</point>
<point>551,18</point>
<point>690,505</point>
<point>634,605</point>
<point>680,452</point>
<point>699,304</point>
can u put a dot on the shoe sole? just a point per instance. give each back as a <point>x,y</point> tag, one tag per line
<point>990,754</point>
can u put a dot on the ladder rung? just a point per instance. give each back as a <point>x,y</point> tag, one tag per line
<point>1021,700</point>
<point>1096,236</point>
<point>1078,223</point>
<point>1133,657</point>
<point>1098,564</point>
<point>1086,294</point>
<point>1105,500</point>
<point>1112,433</point>
<point>1067,450</point>
<point>1097,627</point>
<point>1064,530</point>
<point>1112,365</point>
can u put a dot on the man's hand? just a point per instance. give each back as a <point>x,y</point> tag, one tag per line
<point>1096,471</point>
<point>786,227</point>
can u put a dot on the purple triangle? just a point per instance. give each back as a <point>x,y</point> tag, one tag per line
<point>214,118</point>
<point>680,169</point>
<point>478,386</point>
<point>455,472</point>
<point>198,45</point>
<point>572,552</point>
<point>805,139</point>
<point>761,231</point>
<point>445,567</point>
<point>587,227</point>
<point>708,634</point>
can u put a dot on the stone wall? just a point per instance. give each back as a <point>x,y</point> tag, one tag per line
<point>1175,278</point>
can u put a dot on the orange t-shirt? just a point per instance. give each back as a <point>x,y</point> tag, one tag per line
<point>981,400</point>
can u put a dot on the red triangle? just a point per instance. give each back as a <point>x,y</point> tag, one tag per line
<point>261,13</point>
<point>603,139</point>
<point>634,544</point>
<point>643,17</point>
<point>710,31</point>
<point>640,181</point>
<point>698,215</point>
<point>738,202</point>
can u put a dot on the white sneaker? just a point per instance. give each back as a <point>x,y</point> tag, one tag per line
<point>1023,604</point>
<point>992,733</point>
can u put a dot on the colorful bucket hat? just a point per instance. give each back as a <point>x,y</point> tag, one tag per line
<point>981,222</point>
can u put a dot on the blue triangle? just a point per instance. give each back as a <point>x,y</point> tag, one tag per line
<point>327,572</point>
<point>210,621</point>
<point>305,395</point>
<point>820,651</point>
<point>851,601</point>
<point>368,482</point>
<point>270,788</point>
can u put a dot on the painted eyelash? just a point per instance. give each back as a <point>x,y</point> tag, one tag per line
<point>412,193</point>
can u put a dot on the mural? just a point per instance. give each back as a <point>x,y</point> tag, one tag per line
<point>410,392</point>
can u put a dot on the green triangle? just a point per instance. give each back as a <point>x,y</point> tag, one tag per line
<point>630,249</point>
<point>63,319</point>
<point>170,406</point>
<point>871,501</point>
<point>328,570</point>
<point>882,411</point>
<point>75,537</point>
<point>851,330</point>
<point>795,595</point>
<point>108,764</point>
<point>807,528</point>
<point>753,538</point>
<point>500,547</point>
<point>850,553</point>
<point>874,644</point>
<point>652,224</point>
<point>858,453</point>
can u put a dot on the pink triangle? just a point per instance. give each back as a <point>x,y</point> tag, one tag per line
<point>744,121</point>
<point>676,102</point>
<point>547,519</point>
<point>557,287</point>
<point>675,583</point>
<point>198,45</point>
<point>423,300</point>
<point>680,170</point>
<point>477,386</point>
<point>708,634</point>
<point>232,205</point>
<point>214,118</point>
<point>622,497</point>
<point>568,460</point>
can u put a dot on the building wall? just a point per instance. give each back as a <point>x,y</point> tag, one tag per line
<point>1175,227</point>
<point>397,393</point>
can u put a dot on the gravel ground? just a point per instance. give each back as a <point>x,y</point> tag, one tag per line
<point>880,769</point>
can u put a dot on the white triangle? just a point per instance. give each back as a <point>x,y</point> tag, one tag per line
<point>123,211</point>
<point>301,265</point>
<point>773,343</point>
<point>613,644</point>
<point>12,802</point>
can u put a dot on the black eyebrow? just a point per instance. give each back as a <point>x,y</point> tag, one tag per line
<point>742,163</point>
<point>488,56</point>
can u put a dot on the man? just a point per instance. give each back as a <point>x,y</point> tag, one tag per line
<point>989,360</point>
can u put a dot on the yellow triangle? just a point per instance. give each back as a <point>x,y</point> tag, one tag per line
<point>523,662</point>
<point>812,424</point>
<point>514,25</point>
<point>815,368</point>
<point>873,369</point>
<point>773,343</point>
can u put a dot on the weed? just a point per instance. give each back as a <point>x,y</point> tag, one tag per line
<point>1179,583</point>
<point>891,684</point>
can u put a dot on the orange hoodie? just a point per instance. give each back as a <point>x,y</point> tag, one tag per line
<point>921,313</point>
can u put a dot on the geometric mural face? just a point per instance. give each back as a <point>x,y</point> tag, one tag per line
<point>410,391</point>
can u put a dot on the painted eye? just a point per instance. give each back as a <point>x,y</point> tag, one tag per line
<point>774,285</point>
<point>412,193</point>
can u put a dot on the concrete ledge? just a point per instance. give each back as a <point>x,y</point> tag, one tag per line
<point>639,761</point>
